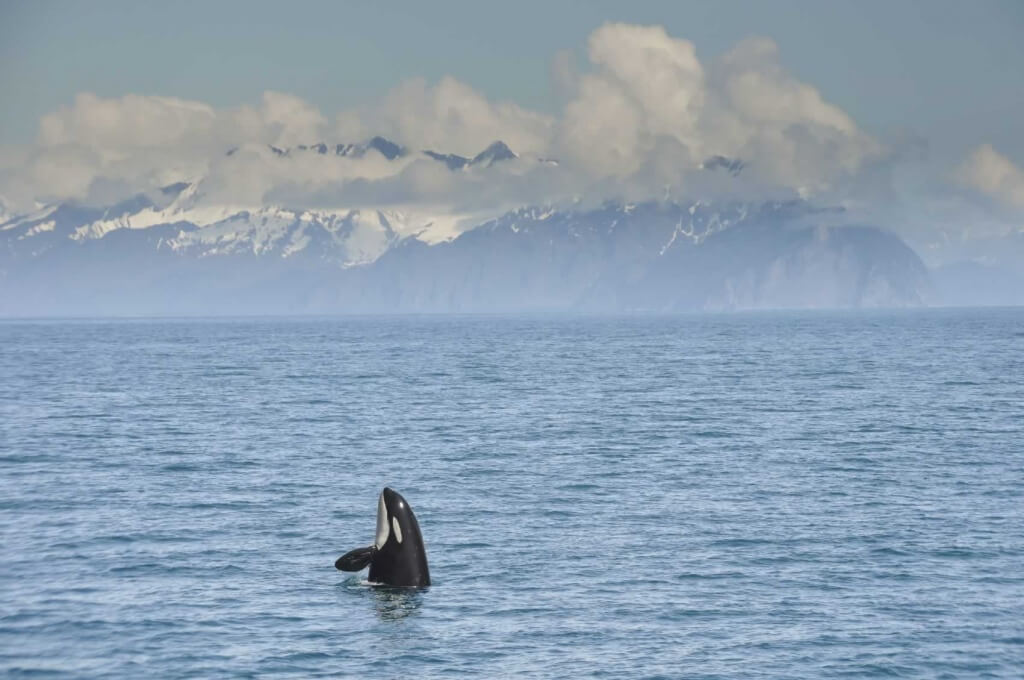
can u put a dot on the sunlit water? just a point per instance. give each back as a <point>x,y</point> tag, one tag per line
<point>750,495</point>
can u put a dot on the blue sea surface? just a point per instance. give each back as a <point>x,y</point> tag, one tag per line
<point>769,495</point>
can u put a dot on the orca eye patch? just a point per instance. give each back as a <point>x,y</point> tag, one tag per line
<point>397,528</point>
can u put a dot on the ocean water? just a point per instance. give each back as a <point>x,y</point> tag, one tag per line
<point>708,496</point>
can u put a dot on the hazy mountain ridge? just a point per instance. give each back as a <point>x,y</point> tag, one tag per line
<point>175,252</point>
<point>648,257</point>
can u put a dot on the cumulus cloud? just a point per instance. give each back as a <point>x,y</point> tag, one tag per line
<point>648,92</point>
<point>116,127</point>
<point>639,119</point>
<point>254,173</point>
<point>782,126</point>
<point>128,123</point>
<point>142,142</point>
<point>450,116</point>
<point>645,85</point>
<point>989,172</point>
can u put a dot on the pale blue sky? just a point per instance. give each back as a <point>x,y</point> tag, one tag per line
<point>951,72</point>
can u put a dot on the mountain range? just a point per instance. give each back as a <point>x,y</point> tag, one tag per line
<point>174,251</point>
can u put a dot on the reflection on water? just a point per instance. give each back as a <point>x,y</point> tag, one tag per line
<point>389,603</point>
<point>395,604</point>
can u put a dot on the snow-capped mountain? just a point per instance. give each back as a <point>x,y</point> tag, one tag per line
<point>190,226</point>
<point>205,227</point>
<point>179,251</point>
<point>651,256</point>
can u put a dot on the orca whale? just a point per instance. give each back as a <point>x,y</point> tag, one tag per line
<point>397,556</point>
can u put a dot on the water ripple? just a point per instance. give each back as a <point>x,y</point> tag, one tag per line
<point>758,496</point>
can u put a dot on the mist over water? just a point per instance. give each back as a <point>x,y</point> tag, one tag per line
<point>742,495</point>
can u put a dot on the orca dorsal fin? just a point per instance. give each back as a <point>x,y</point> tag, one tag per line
<point>357,559</point>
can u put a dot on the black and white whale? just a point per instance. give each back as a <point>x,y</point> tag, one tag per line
<point>397,556</point>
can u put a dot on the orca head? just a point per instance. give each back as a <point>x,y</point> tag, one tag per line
<point>399,558</point>
<point>395,521</point>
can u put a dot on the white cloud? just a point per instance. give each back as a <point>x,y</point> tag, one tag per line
<point>141,142</point>
<point>782,127</point>
<point>645,85</point>
<point>289,119</point>
<point>638,121</point>
<point>113,126</point>
<point>134,123</point>
<point>250,174</point>
<point>993,174</point>
<point>450,116</point>
<point>648,89</point>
